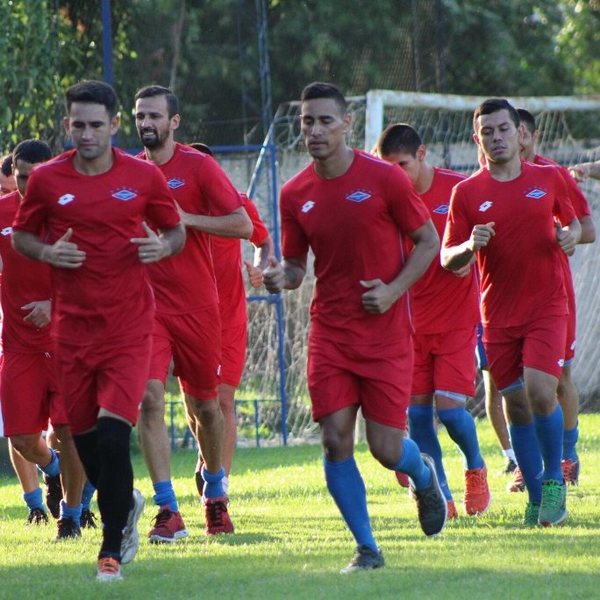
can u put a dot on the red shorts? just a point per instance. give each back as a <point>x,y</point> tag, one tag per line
<point>29,393</point>
<point>234,340</point>
<point>445,361</point>
<point>571,332</point>
<point>376,379</point>
<point>112,377</point>
<point>193,341</point>
<point>537,345</point>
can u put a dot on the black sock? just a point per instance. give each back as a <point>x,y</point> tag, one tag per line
<point>87,448</point>
<point>115,481</point>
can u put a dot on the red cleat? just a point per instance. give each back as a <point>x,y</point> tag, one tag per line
<point>217,517</point>
<point>477,493</point>
<point>168,527</point>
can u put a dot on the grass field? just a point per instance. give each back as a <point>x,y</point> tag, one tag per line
<point>290,541</point>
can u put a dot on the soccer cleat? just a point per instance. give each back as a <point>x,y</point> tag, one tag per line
<point>109,569</point>
<point>570,471</point>
<point>518,483</point>
<point>553,509</point>
<point>477,493</point>
<point>402,479</point>
<point>88,519</point>
<point>131,538</point>
<point>67,530</point>
<point>217,517</point>
<point>431,504</point>
<point>532,515</point>
<point>37,516</point>
<point>199,483</point>
<point>54,494</point>
<point>510,466</point>
<point>168,527</point>
<point>364,559</point>
<point>452,512</point>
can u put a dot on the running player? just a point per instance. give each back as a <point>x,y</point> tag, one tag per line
<point>524,305</point>
<point>187,327</point>
<point>83,213</point>
<point>7,179</point>
<point>353,210</point>
<point>445,317</point>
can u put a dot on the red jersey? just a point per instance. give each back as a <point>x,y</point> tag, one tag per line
<point>186,282</point>
<point>442,301</point>
<point>23,281</point>
<point>520,268</point>
<point>355,225</point>
<point>109,296</point>
<point>227,260</point>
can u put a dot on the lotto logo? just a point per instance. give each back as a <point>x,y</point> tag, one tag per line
<point>442,209</point>
<point>6,231</point>
<point>65,199</point>
<point>485,206</point>
<point>307,206</point>
<point>561,362</point>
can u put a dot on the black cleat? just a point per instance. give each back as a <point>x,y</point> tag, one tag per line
<point>431,504</point>
<point>67,530</point>
<point>54,494</point>
<point>37,516</point>
<point>364,559</point>
<point>88,519</point>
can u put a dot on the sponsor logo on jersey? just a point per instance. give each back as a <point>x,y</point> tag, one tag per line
<point>124,195</point>
<point>485,206</point>
<point>6,231</point>
<point>358,196</point>
<point>561,362</point>
<point>535,194</point>
<point>175,183</point>
<point>65,199</point>
<point>307,206</point>
<point>442,209</point>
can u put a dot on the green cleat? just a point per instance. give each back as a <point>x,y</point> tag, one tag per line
<point>553,509</point>
<point>532,515</point>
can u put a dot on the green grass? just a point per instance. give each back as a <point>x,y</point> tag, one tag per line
<point>290,541</point>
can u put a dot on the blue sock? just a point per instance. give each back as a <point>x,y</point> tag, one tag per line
<point>549,430</point>
<point>87,495</point>
<point>347,488</point>
<point>422,431</point>
<point>570,437</point>
<point>461,428</point>
<point>34,499</point>
<point>53,467</point>
<point>529,459</point>
<point>66,512</point>
<point>413,465</point>
<point>213,483</point>
<point>164,495</point>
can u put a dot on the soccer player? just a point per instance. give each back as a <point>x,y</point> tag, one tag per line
<point>85,214</point>
<point>524,304</point>
<point>27,381</point>
<point>353,211</point>
<point>567,392</point>
<point>7,179</point>
<point>187,326</point>
<point>584,171</point>
<point>445,317</point>
<point>227,260</point>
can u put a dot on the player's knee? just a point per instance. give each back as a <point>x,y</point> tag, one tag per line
<point>24,445</point>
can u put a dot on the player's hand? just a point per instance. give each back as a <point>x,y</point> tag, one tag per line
<point>580,172</point>
<point>255,275</point>
<point>274,276</point>
<point>63,253</point>
<point>481,236</point>
<point>379,297</point>
<point>151,248</point>
<point>39,313</point>
<point>566,240</point>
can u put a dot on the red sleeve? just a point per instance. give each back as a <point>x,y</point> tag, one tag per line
<point>221,196</point>
<point>458,226</point>
<point>578,200</point>
<point>563,208</point>
<point>160,209</point>
<point>407,209</point>
<point>294,243</point>
<point>260,233</point>
<point>31,214</point>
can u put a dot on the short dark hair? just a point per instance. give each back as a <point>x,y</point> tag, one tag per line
<point>201,147</point>
<point>93,92</point>
<point>399,137</point>
<point>6,165</point>
<point>150,91</point>
<point>492,105</point>
<point>32,151</point>
<point>526,117</point>
<point>320,89</point>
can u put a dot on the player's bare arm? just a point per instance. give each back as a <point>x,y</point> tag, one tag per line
<point>568,236</point>
<point>456,257</point>
<point>583,171</point>
<point>236,224</point>
<point>154,247</point>
<point>63,254</point>
<point>287,275</point>
<point>588,230</point>
<point>262,253</point>
<point>38,312</point>
<point>380,296</point>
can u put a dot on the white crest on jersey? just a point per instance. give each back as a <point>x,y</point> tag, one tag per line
<point>6,231</point>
